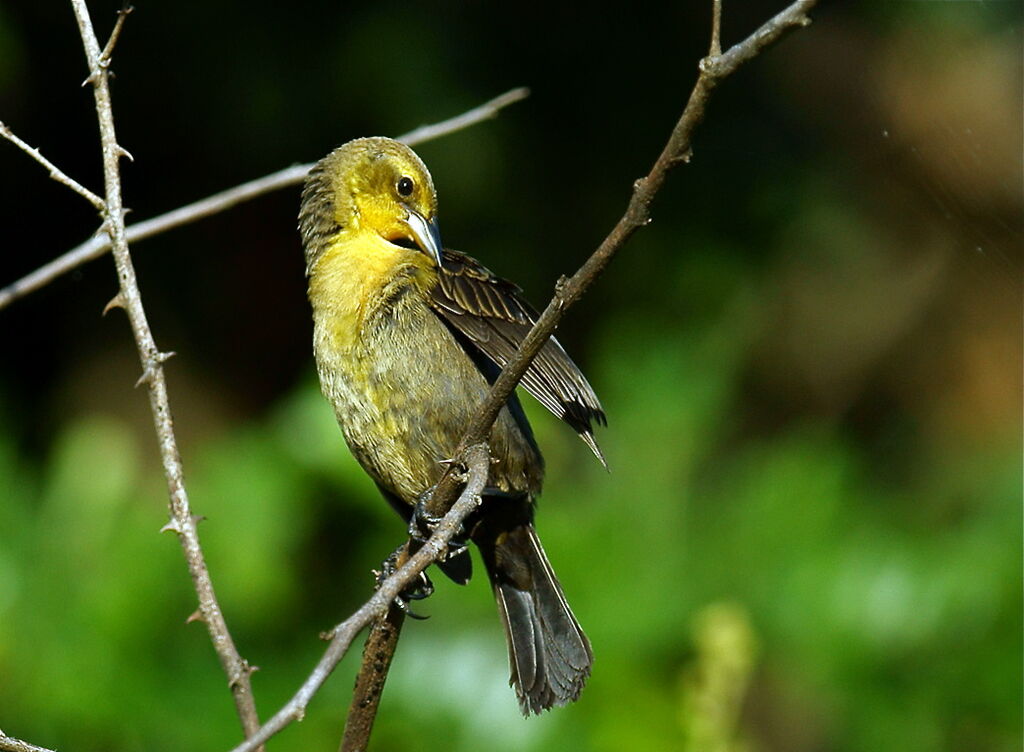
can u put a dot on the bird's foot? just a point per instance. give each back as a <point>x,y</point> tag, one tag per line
<point>423,524</point>
<point>417,590</point>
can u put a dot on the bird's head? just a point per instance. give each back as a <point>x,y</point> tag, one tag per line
<point>370,185</point>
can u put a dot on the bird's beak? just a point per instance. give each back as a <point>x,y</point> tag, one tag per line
<point>426,234</point>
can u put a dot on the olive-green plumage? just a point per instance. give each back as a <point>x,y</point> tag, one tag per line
<point>407,338</point>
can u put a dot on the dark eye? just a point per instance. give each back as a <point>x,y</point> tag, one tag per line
<point>405,187</point>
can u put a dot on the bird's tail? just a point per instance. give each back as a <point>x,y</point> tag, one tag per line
<point>549,655</point>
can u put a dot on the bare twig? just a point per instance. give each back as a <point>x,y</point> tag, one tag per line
<point>715,48</point>
<point>9,744</point>
<point>99,244</point>
<point>55,172</point>
<point>108,48</point>
<point>486,111</point>
<point>182,521</point>
<point>477,462</point>
<point>713,70</point>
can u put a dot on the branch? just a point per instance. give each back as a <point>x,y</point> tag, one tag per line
<point>9,744</point>
<point>715,48</point>
<point>713,70</point>
<point>55,172</point>
<point>182,521</point>
<point>477,462</point>
<point>100,243</point>
<point>378,652</point>
<point>486,111</point>
<point>108,48</point>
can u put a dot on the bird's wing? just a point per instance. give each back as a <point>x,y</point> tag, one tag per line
<point>492,314</point>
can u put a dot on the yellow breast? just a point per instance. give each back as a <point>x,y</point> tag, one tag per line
<point>356,274</point>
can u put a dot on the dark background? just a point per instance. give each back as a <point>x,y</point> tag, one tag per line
<point>811,361</point>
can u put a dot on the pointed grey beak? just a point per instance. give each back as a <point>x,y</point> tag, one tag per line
<point>427,234</point>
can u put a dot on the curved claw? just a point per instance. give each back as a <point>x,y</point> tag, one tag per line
<point>422,525</point>
<point>417,590</point>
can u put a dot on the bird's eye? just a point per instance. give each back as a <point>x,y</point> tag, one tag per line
<point>405,186</point>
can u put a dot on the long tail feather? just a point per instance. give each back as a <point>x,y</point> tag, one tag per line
<point>549,655</point>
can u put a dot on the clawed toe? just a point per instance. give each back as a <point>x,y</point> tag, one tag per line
<point>417,590</point>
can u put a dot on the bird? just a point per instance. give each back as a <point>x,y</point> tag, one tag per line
<point>408,336</point>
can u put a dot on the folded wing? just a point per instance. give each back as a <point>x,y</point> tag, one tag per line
<point>492,314</point>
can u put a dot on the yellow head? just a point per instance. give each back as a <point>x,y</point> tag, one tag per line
<point>370,185</point>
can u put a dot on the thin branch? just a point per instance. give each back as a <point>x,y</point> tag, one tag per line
<point>108,48</point>
<point>99,244</point>
<point>486,111</point>
<point>477,463</point>
<point>712,71</point>
<point>55,172</point>
<point>182,521</point>
<point>677,150</point>
<point>715,48</point>
<point>9,744</point>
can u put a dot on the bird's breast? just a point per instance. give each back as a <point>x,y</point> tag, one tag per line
<point>402,388</point>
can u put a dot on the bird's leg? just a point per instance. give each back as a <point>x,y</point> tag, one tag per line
<point>422,525</point>
<point>416,590</point>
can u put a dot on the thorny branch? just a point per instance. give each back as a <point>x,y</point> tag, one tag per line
<point>55,172</point>
<point>99,244</point>
<point>713,69</point>
<point>129,298</point>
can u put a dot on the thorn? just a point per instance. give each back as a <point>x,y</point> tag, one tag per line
<point>237,678</point>
<point>145,378</point>
<point>197,518</point>
<point>115,302</point>
<point>165,356</point>
<point>194,616</point>
<point>125,153</point>
<point>171,527</point>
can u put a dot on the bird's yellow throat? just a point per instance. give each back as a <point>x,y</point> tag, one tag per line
<point>358,272</point>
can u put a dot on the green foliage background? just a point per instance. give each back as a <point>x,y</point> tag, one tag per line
<point>810,537</point>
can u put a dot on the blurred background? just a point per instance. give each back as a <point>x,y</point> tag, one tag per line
<point>810,537</point>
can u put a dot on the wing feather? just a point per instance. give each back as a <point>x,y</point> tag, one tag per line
<point>493,315</point>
